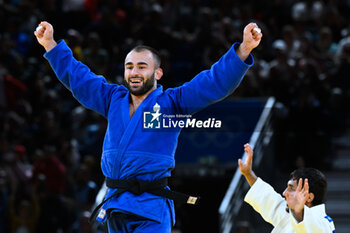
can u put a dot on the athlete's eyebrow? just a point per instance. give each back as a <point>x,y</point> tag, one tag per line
<point>139,63</point>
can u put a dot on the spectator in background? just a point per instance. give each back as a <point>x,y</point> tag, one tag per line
<point>24,214</point>
<point>94,55</point>
<point>74,40</point>
<point>21,168</point>
<point>5,191</point>
<point>81,194</point>
<point>47,164</point>
<point>13,90</point>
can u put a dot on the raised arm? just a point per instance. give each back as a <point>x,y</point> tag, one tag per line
<point>222,79</point>
<point>89,89</point>
<point>246,167</point>
<point>261,196</point>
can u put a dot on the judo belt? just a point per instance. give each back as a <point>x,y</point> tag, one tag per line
<point>137,187</point>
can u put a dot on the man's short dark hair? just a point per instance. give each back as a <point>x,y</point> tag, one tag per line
<point>155,53</point>
<point>317,182</point>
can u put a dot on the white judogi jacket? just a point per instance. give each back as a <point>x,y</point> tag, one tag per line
<point>272,207</point>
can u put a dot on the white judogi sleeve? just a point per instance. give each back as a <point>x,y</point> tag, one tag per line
<point>267,202</point>
<point>315,220</point>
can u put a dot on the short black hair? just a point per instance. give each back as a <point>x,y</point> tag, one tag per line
<point>155,53</point>
<point>317,182</point>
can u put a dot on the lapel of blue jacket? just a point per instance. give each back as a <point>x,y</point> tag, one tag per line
<point>130,125</point>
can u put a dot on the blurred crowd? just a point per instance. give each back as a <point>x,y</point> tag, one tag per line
<point>50,146</point>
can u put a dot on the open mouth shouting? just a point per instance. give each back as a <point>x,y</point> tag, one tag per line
<point>135,82</point>
<point>139,85</point>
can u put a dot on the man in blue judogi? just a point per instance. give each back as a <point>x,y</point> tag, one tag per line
<point>137,162</point>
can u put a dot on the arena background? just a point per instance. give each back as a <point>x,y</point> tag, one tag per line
<point>50,146</point>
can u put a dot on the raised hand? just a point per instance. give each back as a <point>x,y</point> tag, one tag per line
<point>297,199</point>
<point>44,35</point>
<point>251,36</point>
<point>246,167</point>
<point>251,39</point>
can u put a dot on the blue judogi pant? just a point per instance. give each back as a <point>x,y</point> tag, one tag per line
<point>119,222</point>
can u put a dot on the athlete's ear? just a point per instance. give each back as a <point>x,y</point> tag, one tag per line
<point>158,73</point>
<point>310,199</point>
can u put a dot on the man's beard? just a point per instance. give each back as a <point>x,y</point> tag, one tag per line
<point>147,85</point>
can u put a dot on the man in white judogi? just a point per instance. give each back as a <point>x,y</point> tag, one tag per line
<point>302,210</point>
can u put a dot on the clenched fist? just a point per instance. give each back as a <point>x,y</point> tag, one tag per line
<point>44,35</point>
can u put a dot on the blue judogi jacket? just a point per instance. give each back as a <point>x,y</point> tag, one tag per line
<point>128,150</point>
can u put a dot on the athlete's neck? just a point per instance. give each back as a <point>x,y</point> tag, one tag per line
<point>135,101</point>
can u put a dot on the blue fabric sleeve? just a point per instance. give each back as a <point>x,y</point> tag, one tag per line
<point>89,89</point>
<point>212,85</point>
